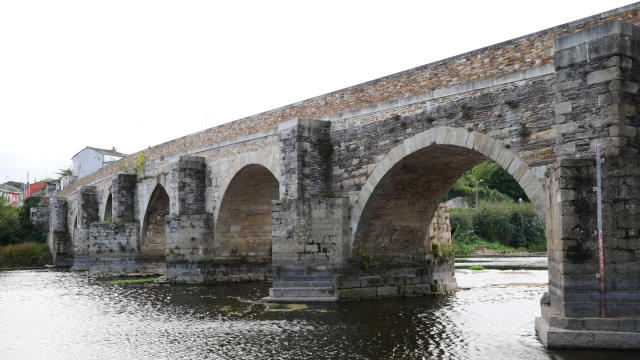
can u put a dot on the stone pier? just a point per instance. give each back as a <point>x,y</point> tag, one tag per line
<point>597,75</point>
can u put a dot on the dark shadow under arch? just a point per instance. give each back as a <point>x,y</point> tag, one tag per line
<point>108,210</point>
<point>243,227</point>
<point>154,238</point>
<point>396,217</point>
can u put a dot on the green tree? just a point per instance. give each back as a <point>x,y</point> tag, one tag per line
<point>497,178</point>
<point>64,172</point>
<point>9,223</point>
<point>15,223</point>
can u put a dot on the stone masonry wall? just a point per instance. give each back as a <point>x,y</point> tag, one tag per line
<point>112,248</point>
<point>124,187</point>
<point>306,150</point>
<point>188,175</point>
<point>88,206</point>
<point>598,77</point>
<point>520,114</point>
<point>301,216</point>
<point>59,239</point>
<point>514,55</point>
<point>440,228</point>
<point>319,239</point>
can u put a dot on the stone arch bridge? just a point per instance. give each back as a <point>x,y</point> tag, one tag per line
<point>302,194</point>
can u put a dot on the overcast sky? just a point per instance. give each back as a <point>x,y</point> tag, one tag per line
<point>132,74</point>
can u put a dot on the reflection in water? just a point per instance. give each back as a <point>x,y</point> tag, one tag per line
<point>62,315</point>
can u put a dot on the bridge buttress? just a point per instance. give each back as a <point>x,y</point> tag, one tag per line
<point>59,239</point>
<point>597,77</point>
<point>189,228</point>
<point>310,225</point>
<point>87,215</point>
<point>124,195</point>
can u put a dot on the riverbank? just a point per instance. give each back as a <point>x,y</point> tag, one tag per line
<point>481,247</point>
<point>24,255</point>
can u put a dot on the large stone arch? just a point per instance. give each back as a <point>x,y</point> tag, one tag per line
<point>269,159</point>
<point>153,241</point>
<point>146,194</point>
<point>243,223</point>
<point>458,148</point>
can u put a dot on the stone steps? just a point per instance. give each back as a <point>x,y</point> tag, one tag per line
<point>304,285</point>
<point>302,294</point>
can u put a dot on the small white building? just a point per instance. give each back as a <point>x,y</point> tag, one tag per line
<point>91,159</point>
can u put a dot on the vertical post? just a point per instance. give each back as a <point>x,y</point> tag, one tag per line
<point>477,182</point>
<point>598,190</point>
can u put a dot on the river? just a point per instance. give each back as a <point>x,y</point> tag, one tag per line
<point>66,315</point>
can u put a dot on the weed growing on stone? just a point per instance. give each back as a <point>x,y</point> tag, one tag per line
<point>139,166</point>
<point>367,260</point>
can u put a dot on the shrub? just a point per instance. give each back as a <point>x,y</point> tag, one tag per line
<point>492,223</point>
<point>517,237</point>
<point>505,224</point>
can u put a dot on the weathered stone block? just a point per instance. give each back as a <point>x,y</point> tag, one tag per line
<point>622,130</point>
<point>387,291</point>
<point>612,73</point>
<point>563,108</point>
<point>364,292</point>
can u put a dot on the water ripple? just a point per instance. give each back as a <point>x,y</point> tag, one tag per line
<point>64,315</point>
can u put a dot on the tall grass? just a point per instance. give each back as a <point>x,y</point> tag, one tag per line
<point>28,254</point>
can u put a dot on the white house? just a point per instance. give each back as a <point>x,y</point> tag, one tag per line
<point>91,159</point>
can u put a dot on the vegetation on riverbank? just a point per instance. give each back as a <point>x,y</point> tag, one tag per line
<point>15,223</point>
<point>503,227</point>
<point>21,243</point>
<point>24,255</point>
<point>503,222</point>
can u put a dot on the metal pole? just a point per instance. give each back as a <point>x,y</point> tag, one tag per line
<point>477,182</point>
<point>476,194</point>
<point>598,190</point>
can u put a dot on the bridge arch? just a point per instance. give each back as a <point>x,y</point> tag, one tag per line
<point>74,229</point>
<point>441,154</point>
<point>153,241</point>
<point>243,222</point>
<point>108,209</point>
<point>269,159</point>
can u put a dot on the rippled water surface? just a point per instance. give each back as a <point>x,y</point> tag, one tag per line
<point>64,315</point>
